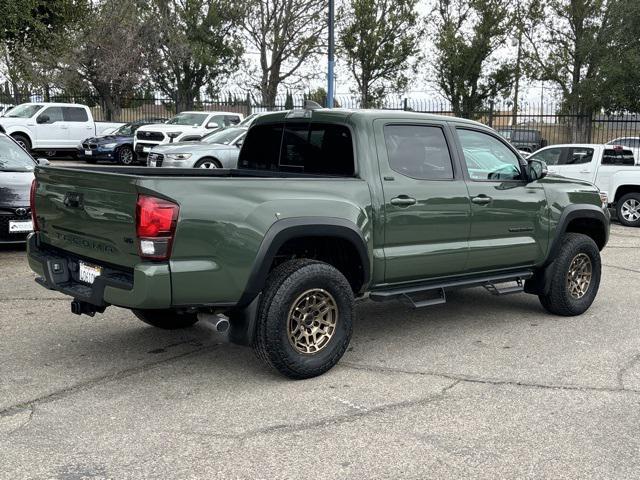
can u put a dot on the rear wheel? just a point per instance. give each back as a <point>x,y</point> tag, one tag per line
<point>628,210</point>
<point>575,276</point>
<point>305,318</point>
<point>23,141</point>
<point>125,155</point>
<point>166,319</point>
<point>208,163</point>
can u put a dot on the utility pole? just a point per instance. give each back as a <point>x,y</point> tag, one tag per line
<point>331,51</point>
<point>516,92</point>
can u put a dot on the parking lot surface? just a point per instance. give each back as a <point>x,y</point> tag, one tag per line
<point>482,387</point>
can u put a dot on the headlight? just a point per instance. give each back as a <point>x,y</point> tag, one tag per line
<point>109,145</point>
<point>178,156</point>
<point>604,199</point>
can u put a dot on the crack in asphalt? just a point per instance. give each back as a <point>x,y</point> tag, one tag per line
<point>625,368</point>
<point>621,268</point>
<point>497,382</point>
<point>32,412</point>
<point>336,420</point>
<point>92,382</point>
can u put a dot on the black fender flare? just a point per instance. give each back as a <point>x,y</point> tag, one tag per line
<point>299,227</point>
<point>540,282</point>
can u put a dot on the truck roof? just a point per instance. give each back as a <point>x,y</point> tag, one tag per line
<point>344,114</point>
<point>55,104</point>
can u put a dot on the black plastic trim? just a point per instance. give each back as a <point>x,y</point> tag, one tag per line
<point>573,212</point>
<point>300,227</point>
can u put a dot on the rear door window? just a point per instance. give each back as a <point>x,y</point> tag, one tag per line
<point>323,149</point>
<point>75,114</point>
<point>578,156</point>
<point>418,151</point>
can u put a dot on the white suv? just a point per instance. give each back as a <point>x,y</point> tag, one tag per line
<point>183,127</point>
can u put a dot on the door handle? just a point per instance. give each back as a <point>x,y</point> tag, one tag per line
<point>403,201</point>
<point>586,170</point>
<point>481,200</point>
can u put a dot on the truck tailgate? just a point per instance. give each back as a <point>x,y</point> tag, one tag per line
<point>91,214</point>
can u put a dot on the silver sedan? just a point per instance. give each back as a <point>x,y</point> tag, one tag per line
<point>219,149</point>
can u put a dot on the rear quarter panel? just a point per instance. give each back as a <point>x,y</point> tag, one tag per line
<point>223,222</point>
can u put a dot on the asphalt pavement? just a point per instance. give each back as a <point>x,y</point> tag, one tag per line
<point>482,387</point>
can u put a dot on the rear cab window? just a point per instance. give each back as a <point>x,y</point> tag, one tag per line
<point>75,114</point>
<point>617,156</point>
<point>299,147</point>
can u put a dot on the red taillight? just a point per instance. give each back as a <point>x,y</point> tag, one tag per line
<point>155,226</point>
<point>32,201</point>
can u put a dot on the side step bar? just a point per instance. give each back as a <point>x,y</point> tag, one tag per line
<point>408,294</point>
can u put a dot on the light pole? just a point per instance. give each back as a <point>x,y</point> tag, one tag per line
<point>331,51</point>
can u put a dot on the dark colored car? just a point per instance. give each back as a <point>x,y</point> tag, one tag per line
<point>116,147</point>
<point>16,175</point>
<point>524,139</point>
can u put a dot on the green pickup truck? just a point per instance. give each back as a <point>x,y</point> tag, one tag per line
<point>325,207</point>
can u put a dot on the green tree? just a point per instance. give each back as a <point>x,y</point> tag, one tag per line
<point>286,34</point>
<point>288,102</point>
<point>194,44</point>
<point>466,35</point>
<point>379,41</point>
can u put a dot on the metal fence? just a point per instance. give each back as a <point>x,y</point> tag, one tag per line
<point>554,123</point>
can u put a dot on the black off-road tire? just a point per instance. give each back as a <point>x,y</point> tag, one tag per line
<point>166,319</point>
<point>559,300</point>
<point>632,198</point>
<point>284,285</point>
<point>23,141</point>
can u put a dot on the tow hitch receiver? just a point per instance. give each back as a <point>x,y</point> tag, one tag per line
<point>79,308</point>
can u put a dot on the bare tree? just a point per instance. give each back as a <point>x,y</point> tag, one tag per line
<point>108,54</point>
<point>286,34</point>
<point>194,44</point>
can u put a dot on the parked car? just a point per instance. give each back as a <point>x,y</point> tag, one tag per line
<point>324,207</point>
<point>16,176</point>
<point>632,143</point>
<point>116,146</point>
<point>52,127</point>
<point>611,168</point>
<point>4,108</point>
<point>183,127</point>
<point>217,150</point>
<point>524,139</point>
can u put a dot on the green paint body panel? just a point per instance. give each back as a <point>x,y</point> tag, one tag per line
<point>223,220</point>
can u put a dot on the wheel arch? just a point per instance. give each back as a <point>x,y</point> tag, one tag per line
<point>622,190</point>
<point>24,133</point>
<point>285,231</point>
<point>209,157</point>
<point>587,219</point>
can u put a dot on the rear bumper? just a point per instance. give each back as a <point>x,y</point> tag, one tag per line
<point>147,287</point>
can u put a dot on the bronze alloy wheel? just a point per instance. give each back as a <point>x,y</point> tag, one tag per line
<point>312,321</point>
<point>579,275</point>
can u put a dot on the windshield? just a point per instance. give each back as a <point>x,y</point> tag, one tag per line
<point>126,129</point>
<point>224,137</point>
<point>195,119</point>
<point>23,111</point>
<point>13,158</point>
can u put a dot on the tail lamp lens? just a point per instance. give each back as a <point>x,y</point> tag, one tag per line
<point>155,227</point>
<point>32,202</point>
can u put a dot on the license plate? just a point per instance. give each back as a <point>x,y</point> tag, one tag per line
<point>146,149</point>
<point>21,226</point>
<point>88,152</point>
<point>88,273</point>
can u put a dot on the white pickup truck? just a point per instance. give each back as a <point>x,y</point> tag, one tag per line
<point>611,168</point>
<point>52,127</point>
<point>183,127</point>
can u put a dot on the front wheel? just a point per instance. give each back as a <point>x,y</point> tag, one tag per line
<point>166,319</point>
<point>208,163</point>
<point>125,155</point>
<point>305,318</point>
<point>575,276</point>
<point>628,210</point>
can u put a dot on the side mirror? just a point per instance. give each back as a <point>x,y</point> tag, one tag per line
<point>213,125</point>
<point>536,170</point>
<point>43,119</point>
<point>239,143</point>
<point>43,162</point>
